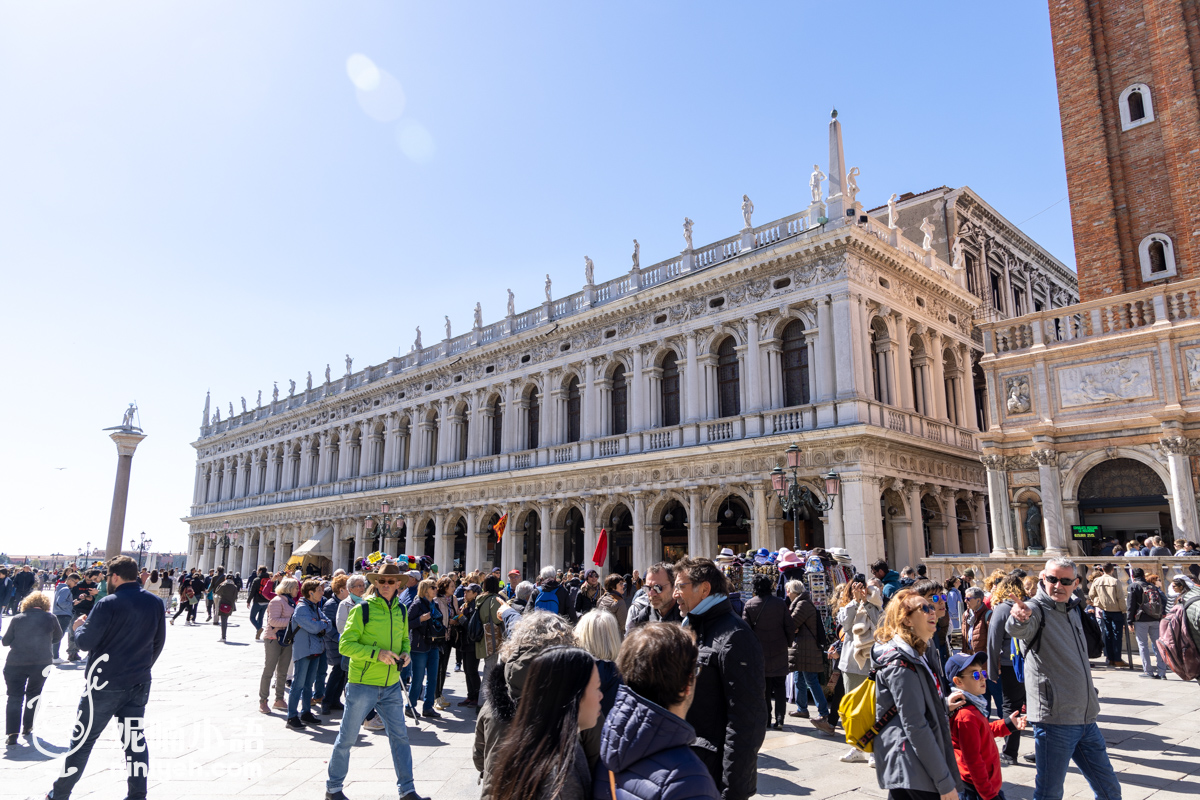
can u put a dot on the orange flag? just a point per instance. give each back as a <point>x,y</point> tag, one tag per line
<point>601,553</point>
<point>500,525</point>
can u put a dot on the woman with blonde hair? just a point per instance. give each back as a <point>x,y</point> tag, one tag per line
<point>425,625</point>
<point>598,633</point>
<point>278,657</point>
<point>30,637</point>
<point>914,757</point>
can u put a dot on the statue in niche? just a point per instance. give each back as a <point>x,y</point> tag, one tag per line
<point>589,270</point>
<point>275,393</point>
<point>814,183</point>
<point>747,211</point>
<point>1033,526</point>
<point>349,364</point>
<point>637,255</point>
<point>957,257</point>
<point>309,385</point>
<point>478,315</point>
<point>327,373</point>
<point>447,327</point>
<point>260,398</point>
<point>127,418</point>
<point>927,229</point>
<point>291,387</point>
<point>687,232</point>
<point>852,185</point>
<point>548,287</point>
<point>243,405</point>
<point>1018,396</point>
<point>512,304</point>
<point>417,343</point>
<point>1193,368</point>
<point>893,217</point>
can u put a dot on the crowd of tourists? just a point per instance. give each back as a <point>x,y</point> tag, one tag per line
<point>661,686</point>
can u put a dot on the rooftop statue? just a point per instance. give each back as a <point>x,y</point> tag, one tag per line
<point>548,287</point>
<point>478,315</point>
<point>127,419</point>
<point>447,327</point>
<point>747,210</point>
<point>687,232</point>
<point>893,217</point>
<point>814,183</point>
<point>927,229</point>
<point>852,185</point>
<point>512,304</point>
<point>349,365</point>
<point>589,271</point>
<point>637,255</point>
<point>417,343</point>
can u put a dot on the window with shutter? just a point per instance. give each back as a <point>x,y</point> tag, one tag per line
<point>795,365</point>
<point>573,407</point>
<point>497,427</point>
<point>620,400</point>
<point>534,418</point>
<point>670,390</point>
<point>728,385</point>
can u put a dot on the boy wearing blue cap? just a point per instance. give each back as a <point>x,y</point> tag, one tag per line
<point>974,738</point>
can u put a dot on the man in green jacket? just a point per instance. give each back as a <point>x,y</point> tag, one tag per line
<point>375,640</point>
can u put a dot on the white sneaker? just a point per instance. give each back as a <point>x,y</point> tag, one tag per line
<point>871,761</point>
<point>855,756</point>
<point>374,724</point>
<point>58,661</point>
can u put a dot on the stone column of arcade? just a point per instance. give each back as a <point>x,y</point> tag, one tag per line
<point>127,437</point>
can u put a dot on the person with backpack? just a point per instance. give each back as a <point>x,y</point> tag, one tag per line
<point>771,620</point>
<point>552,596</point>
<point>278,655</point>
<point>1146,606</point>
<point>485,625</point>
<point>226,597</point>
<point>806,656</point>
<point>1107,594</point>
<point>470,662</point>
<point>1062,704</point>
<point>257,599</point>
<point>913,748</point>
<point>613,600</point>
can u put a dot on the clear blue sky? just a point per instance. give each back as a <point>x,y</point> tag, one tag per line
<point>196,196</point>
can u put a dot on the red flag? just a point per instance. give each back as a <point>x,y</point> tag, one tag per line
<point>500,526</point>
<point>601,549</point>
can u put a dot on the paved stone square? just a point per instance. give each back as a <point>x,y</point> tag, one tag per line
<point>208,740</point>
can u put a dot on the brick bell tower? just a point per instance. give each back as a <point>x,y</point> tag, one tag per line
<point>1128,73</point>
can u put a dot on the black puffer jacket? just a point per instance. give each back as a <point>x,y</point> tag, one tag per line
<point>772,624</point>
<point>730,709</point>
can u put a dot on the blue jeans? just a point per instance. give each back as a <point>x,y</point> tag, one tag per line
<point>424,670</point>
<point>813,681</point>
<point>318,683</point>
<point>389,702</point>
<point>257,612</point>
<point>1114,629</point>
<point>302,686</point>
<point>129,707</point>
<point>995,693</point>
<point>1056,745</point>
<point>968,793</point>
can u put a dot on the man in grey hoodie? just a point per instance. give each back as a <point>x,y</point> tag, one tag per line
<point>1060,697</point>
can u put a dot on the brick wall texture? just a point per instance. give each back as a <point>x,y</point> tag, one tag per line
<point>1125,185</point>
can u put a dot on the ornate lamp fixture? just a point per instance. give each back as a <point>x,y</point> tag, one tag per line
<point>383,527</point>
<point>796,498</point>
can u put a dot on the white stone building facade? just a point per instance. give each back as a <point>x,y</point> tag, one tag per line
<point>653,406</point>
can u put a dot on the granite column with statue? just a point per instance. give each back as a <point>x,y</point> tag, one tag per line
<point>127,437</point>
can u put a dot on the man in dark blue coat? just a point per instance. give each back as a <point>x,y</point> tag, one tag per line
<point>123,636</point>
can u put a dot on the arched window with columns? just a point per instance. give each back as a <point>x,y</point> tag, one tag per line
<point>919,375</point>
<point>795,365</point>
<point>729,400</point>
<point>953,386</point>
<point>881,362</point>
<point>574,405</point>
<point>670,389</point>
<point>533,418</point>
<point>619,401</point>
<point>497,426</point>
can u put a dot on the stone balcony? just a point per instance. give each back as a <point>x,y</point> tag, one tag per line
<point>780,423</point>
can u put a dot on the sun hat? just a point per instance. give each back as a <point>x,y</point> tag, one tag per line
<point>385,570</point>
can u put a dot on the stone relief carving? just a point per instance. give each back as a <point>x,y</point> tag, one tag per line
<point>1045,457</point>
<point>1016,393</point>
<point>1123,379</point>
<point>1174,445</point>
<point>1192,358</point>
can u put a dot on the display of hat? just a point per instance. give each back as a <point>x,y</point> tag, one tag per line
<point>841,555</point>
<point>385,570</point>
<point>789,559</point>
<point>726,556</point>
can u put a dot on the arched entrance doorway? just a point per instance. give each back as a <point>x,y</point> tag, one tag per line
<point>533,545</point>
<point>620,541</point>
<point>674,532</point>
<point>573,553</point>
<point>1126,498</point>
<point>733,526</point>
<point>460,546</point>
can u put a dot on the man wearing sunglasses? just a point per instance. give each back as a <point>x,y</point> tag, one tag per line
<point>375,640</point>
<point>657,602</point>
<point>1061,699</point>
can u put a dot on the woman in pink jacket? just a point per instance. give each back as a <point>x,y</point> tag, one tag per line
<point>278,657</point>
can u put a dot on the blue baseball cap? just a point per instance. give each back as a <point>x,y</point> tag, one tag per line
<point>955,664</point>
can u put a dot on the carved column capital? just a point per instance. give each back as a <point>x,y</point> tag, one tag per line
<point>1174,445</point>
<point>1045,457</point>
<point>994,462</point>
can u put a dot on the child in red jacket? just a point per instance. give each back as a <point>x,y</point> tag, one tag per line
<point>973,736</point>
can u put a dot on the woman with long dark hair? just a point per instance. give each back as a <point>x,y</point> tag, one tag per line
<point>540,755</point>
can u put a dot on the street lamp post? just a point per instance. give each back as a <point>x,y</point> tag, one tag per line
<point>382,527</point>
<point>142,545</point>
<point>796,498</point>
<point>224,538</point>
